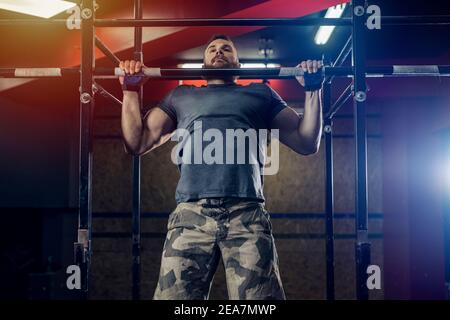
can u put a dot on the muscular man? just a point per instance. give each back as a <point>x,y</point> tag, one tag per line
<point>220,206</point>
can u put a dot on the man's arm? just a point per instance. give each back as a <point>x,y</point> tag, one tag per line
<point>302,134</point>
<point>142,135</point>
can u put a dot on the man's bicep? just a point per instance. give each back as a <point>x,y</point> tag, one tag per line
<point>287,122</point>
<point>158,119</point>
<point>158,127</point>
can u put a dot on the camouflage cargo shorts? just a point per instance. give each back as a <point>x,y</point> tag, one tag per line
<point>201,232</point>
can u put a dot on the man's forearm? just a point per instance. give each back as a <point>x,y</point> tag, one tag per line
<point>310,128</point>
<point>131,121</point>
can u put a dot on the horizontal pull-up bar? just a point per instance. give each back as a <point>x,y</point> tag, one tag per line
<point>263,22</point>
<point>344,21</point>
<point>223,22</point>
<point>246,73</point>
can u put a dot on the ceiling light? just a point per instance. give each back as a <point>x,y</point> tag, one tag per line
<point>38,8</point>
<point>324,32</point>
<point>243,65</point>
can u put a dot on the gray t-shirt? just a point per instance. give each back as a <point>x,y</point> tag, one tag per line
<point>212,160</point>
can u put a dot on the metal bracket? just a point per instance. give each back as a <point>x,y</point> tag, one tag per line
<point>360,96</point>
<point>85,98</point>
<point>359,11</point>
<point>83,237</point>
<point>86,13</point>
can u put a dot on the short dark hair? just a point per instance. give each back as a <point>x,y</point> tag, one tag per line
<point>218,36</point>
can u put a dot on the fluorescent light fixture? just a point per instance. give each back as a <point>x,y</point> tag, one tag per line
<point>243,65</point>
<point>260,65</point>
<point>324,32</point>
<point>38,8</point>
<point>253,65</point>
<point>191,65</point>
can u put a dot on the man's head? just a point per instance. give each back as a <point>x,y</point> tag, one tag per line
<point>220,52</point>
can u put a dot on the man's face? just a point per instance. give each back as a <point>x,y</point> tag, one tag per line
<point>221,53</point>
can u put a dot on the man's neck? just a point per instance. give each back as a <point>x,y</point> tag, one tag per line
<point>220,81</point>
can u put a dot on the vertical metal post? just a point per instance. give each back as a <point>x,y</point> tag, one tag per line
<point>83,245</point>
<point>136,218</point>
<point>362,247</point>
<point>329,192</point>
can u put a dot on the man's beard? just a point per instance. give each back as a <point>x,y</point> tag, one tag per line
<point>226,65</point>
